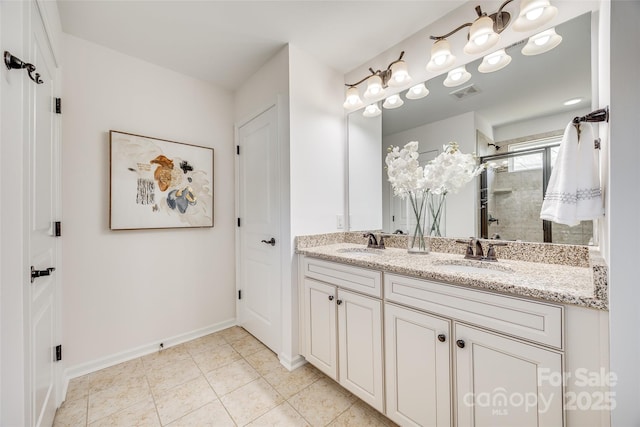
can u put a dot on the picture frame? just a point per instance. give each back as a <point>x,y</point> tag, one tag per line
<point>156,183</point>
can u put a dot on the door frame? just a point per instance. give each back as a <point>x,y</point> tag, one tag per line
<point>282,248</point>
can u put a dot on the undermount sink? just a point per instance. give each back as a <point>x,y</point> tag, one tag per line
<point>360,251</point>
<point>472,267</point>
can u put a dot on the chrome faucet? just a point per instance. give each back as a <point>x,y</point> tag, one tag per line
<point>373,243</point>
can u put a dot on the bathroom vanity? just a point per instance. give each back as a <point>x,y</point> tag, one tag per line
<point>437,340</point>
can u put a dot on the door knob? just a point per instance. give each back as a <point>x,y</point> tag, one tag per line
<point>442,338</point>
<point>271,242</point>
<point>460,343</point>
<point>339,302</point>
<point>330,297</point>
<point>40,273</point>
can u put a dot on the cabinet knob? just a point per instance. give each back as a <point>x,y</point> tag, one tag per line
<point>460,343</point>
<point>442,338</point>
<point>330,297</point>
<point>339,302</point>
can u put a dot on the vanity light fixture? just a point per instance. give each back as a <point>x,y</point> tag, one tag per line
<point>441,56</point>
<point>353,100</point>
<point>395,74</point>
<point>494,61</point>
<point>484,32</point>
<point>372,110</point>
<point>457,76</point>
<point>394,101</point>
<point>481,36</point>
<point>417,92</point>
<point>534,14</point>
<point>542,42</point>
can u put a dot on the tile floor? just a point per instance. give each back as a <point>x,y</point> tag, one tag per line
<point>224,379</point>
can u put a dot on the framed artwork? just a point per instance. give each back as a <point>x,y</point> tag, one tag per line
<point>157,183</point>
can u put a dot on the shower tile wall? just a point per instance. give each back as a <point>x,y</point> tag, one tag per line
<point>515,199</point>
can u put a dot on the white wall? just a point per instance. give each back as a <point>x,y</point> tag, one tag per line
<point>124,290</point>
<point>318,161</point>
<point>623,208</point>
<point>461,208</point>
<point>317,144</point>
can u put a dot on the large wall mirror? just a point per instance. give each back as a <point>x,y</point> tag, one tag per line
<point>520,109</point>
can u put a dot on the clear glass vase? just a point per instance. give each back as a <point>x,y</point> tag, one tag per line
<point>416,221</point>
<point>436,206</point>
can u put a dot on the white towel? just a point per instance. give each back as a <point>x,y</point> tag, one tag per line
<point>574,193</point>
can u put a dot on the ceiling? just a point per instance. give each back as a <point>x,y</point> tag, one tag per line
<point>225,42</point>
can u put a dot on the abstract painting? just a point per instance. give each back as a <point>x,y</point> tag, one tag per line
<point>157,183</point>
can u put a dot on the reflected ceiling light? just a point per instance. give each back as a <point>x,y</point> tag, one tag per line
<point>372,110</point>
<point>494,61</point>
<point>534,14</point>
<point>441,56</point>
<point>481,36</point>
<point>394,101</point>
<point>395,74</point>
<point>417,92</point>
<point>457,76</point>
<point>542,42</point>
<point>573,101</point>
<point>353,100</point>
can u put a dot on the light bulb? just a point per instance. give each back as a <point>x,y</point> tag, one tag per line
<point>534,14</point>
<point>541,41</point>
<point>440,59</point>
<point>456,76</point>
<point>493,60</point>
<point>482,39</point>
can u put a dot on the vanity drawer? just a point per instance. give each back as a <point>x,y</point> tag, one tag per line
<point>533,321</point>
<point>348,277</point>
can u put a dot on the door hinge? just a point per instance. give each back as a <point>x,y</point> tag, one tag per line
<point>58,353</point>
<point>238,222</point>
<point>238,150</point>
<point>57,229</point>
<point>58,105</point>
<point>239,294</point>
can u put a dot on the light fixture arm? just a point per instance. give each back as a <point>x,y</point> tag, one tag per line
<point>500,21</point>
<point>384,75</point>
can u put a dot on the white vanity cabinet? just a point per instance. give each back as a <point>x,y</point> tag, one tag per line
<point>343,328</point>
<point>496,373</point>
<point>417,367</point>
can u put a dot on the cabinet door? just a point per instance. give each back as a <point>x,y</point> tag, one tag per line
<point>360,343</point>
<point>320,326</point>
<point>417,360</point>
<point>504,382</point>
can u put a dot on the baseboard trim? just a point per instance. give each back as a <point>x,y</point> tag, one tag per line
<point>292,364</point>
<point>114,359</point>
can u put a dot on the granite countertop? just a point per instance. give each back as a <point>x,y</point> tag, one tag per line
<point>568,284</point>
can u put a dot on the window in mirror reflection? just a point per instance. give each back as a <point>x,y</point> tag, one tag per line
<point>512,191</point>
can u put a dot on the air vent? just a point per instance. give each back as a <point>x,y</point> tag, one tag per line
<point>465,92</point>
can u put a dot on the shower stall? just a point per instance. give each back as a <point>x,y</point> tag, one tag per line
<point>511,193</point>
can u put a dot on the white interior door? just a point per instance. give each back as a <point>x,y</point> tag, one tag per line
<point>42,301</point>
<point>259,232</point>
<point>398,205</point>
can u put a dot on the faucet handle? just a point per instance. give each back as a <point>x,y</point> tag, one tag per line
<point>469,252</point>
<point>491,251</point>
<point>381,242</point>
<point>479,250</point>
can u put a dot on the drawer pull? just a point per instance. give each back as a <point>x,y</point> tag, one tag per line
<point>442,338</point>
<point>330,297</point>
<point>460,343</point>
